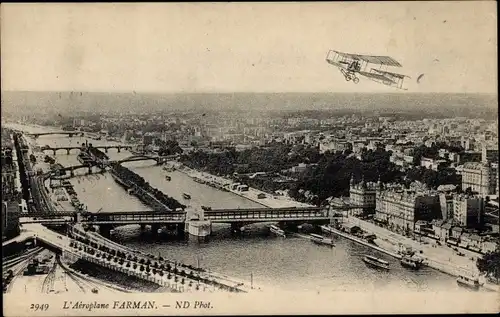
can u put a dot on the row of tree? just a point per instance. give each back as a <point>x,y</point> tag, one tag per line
<point>139,181</point>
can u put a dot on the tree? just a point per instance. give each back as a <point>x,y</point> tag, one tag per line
<point>489,264</point>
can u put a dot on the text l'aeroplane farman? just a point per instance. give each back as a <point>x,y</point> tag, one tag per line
<point>352,64</point>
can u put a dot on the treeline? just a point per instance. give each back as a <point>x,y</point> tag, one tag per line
<point>433,178</point>
<point>272,158</point>
<point>132,177</point>
<point>332,175</point>
<point>329,176</point>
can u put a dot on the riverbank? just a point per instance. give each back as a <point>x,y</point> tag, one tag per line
<point>441,258</point>
<point>252,194</point>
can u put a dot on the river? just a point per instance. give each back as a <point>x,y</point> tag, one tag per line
<point>287,264</point>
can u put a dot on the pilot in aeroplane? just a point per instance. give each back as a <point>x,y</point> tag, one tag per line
<point>354,66</point>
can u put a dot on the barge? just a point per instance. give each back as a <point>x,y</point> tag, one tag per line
<point>316,238</point>
<point>277,231</point>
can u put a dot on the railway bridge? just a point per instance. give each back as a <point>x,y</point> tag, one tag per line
<point>185,222</point>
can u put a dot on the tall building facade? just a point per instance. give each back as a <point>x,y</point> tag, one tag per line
<point>399,209</point>
<point>489,154</point>
<point>363,194</point>
<point>468,211</point>
<point>480,177</point>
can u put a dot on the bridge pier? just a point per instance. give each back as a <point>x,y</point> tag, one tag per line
<point>119,149</point>
<point>143,227</point>
<point>198,230</point>
<point>90,169</point>
<point>106,150</point>
<point>54,152</point>
<point>180,230</point>
<point>72,172</point>
<point>67,151</point>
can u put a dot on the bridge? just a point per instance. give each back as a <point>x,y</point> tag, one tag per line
<point>73,168</point>
<point>247,215</point>
<point>158,159</point>
<point>68,133</point>
<point>144,157</point>
<point>70,148</point>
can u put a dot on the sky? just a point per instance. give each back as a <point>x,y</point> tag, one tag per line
<point>245,47</point>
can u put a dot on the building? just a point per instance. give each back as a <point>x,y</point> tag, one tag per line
<point>147,139</point>
<point>480,178</point>
<point>489,154</point>
<point>446,204</point>
<point>468,211</point>
<point>432,164</point>
<point>467,143</point>
<point>335,146</point>
<point>400,209</point>
<point>363,194</point>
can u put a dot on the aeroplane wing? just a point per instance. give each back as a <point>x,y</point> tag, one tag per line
<point>379,60</point>
<point>337,64</point>
<point>373,76</point>
<point>399,76</point>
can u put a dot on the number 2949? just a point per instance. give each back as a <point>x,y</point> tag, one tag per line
<point>39,307</point>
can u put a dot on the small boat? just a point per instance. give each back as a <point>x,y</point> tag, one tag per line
<point>186,196</point>
<point>277,231</point>
<point>316,238</point>
<point>168,178</point>
<point>412,262</point>
<point>468,282</point>
<point>374,262</point>
<point>130,191</point>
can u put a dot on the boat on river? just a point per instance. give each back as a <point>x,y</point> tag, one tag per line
<point>277,231</point>
<point>168,178</point>
<point>186,196</point>
<point>468,282</point>
<point>412,262</point>
<point>375,262</point>
<point>318,239</point>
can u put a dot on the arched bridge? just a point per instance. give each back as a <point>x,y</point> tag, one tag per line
<point>70,148</point>
<point>72,169</point>
<point>144,157</point>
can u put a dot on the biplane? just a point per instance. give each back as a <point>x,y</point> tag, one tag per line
<point>351,65</point>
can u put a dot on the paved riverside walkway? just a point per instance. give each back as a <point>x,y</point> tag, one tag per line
<point>252,193</point>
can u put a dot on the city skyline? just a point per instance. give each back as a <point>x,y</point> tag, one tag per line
<point>158,48</point>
